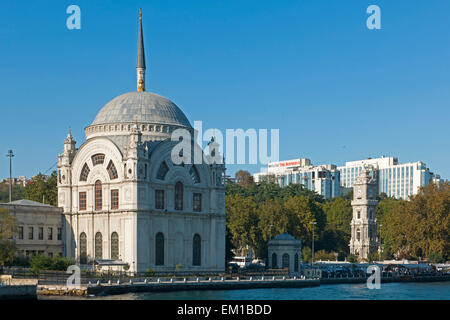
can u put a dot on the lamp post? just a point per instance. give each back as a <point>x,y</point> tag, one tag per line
<point>379,251</point>
<point>10,155</point>
<point>312,251</point>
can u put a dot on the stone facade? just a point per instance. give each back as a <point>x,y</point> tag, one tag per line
<point>284,251</point>
<point>363,240</point>
<point>40,228</point>
<point>125,197</point>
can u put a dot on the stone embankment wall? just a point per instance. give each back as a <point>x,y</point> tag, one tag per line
<point>15,292</point>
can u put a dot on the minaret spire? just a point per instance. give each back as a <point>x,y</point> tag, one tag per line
<point>140,65</point>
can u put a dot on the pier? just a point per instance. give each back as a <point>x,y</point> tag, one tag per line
<point>166,285</point>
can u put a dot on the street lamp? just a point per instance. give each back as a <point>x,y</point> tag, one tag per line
<point>379,251</point>
<point>10,155</point>
<point>312,253</point>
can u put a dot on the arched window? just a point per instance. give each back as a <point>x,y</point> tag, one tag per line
<point>98,246</point>
<point>296,262</point>
<point>196,250</point>
<point>358,234</point>
<point>114,246</point>
<point>84,172</point>
<point>194,174</point>
<point>159,249</point>
<point>112,171</point>
<point>178,196</point>
<point>162,171</point>
<point>285,261</point>
<point>274,260</point>
<point>98,195</point>
<point>83,248</point>
<point>98,158</point>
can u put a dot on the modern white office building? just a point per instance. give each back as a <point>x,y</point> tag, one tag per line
<point>399,180</point>
<point>323,179</point>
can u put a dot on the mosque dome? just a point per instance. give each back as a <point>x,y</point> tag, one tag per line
<point>142,107</point>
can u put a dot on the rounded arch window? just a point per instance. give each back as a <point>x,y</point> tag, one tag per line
<point>83,248</point>
<point>196,250</point>
<point>159,249</point>
<point>358,234</point>
<point>274,260</point>
<point>98,195</point>
<point>285,261</point>
<point>98,246</point>
<point>115,246</point>
<point>179,195</point>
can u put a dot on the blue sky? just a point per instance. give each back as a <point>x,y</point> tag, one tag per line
<point>336,90</point>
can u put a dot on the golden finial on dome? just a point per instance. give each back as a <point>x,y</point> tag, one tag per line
<point>141,86</point>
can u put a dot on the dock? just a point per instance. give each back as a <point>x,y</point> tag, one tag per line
<point>175,285</point>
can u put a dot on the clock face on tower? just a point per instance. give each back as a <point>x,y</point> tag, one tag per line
<point>358,192</point>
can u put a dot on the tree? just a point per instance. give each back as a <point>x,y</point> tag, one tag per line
<point>244,178</point>
<point>242,221</point>
<point>40,262</point>
<point>273,220</point>
<point>306,254</point>
<point>337,232</point>
<point>419,227</point>
<point>42,189</point>
<point>302,212</point>
<point>295,189</point>
<point>17,192</point>
<point>8,227</point>
<point>228,246</point>
<point>325,256</point>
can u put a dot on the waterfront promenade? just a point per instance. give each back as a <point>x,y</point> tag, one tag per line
<point>170,285</point>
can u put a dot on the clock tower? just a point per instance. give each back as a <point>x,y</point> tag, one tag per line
<point>363,240</point>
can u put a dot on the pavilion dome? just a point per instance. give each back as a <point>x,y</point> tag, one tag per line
<point>284,236</point>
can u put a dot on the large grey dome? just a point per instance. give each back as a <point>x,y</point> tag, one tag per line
<point>143,107</point>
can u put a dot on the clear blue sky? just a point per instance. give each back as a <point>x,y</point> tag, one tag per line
<point>336,90</point>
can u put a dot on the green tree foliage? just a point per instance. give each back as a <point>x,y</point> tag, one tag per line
<point>273,219</point>
<point>419,227</point>
<point>42,188</point>
<point>325,256</point>
<point>306,254</point>
<point>41,262</point>
<point>8,227</point>
<point>242,221</point>
<point>17,192</point>
<point>303,211</point>
<point>337,232</point>
<point>244,179</point>
<point>259,212</point>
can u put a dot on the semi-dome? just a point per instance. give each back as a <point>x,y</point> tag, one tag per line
<point>141,107</point>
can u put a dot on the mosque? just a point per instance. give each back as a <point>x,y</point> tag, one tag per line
<point>125,200</point>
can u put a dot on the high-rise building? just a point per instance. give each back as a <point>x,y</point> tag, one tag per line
<point>399,180</point>
<point>323,179</point>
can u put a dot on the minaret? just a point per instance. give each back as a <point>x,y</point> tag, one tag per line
<point>140,65</point>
